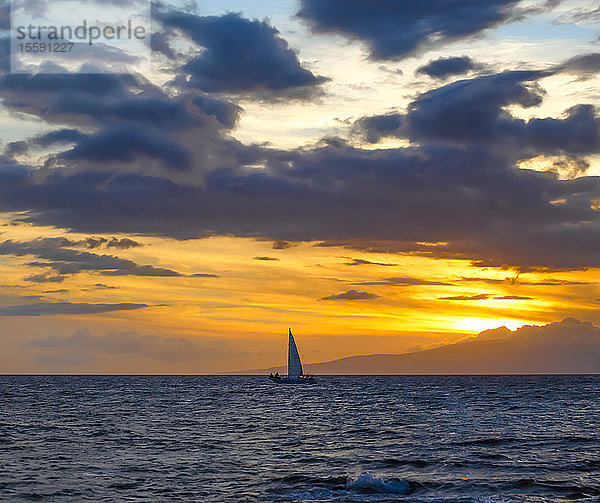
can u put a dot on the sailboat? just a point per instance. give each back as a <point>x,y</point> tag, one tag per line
<point>295,373</point>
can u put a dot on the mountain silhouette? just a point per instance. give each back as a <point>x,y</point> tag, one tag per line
<point>565,347</point>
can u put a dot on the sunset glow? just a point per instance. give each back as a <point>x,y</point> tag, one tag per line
<point>378,195</point>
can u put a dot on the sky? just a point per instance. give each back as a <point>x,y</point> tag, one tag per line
<point>381,178</point>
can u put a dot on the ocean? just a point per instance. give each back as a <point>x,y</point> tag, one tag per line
<point>343,439</point>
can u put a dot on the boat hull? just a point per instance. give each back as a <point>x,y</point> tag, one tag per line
<point>292,380</point>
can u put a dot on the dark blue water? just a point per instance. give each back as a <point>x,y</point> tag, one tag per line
<point>346,439</point>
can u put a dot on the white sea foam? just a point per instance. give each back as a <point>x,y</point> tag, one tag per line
<point>369,482</point>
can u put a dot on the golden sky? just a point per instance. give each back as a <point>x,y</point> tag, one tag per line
<point>181,220</point>
<point>249,304</point>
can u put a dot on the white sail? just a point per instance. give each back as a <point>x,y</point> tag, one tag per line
<point>294,364</point>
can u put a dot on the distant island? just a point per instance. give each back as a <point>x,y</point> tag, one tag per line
<point>566,347</point>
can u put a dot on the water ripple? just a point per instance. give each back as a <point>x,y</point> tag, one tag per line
<point>461,439</point>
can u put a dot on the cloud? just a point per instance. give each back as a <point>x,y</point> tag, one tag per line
<point>485,296</point>
<point>226,113</point>
<point>282,245</point>
<point>394,30</point>
<point>517,281</point>
<point>124,143</point>
<point>481,296</point>
<point>94,99</point>
<point>584,65</point>
<point>361,261</point>
<point>403,281</point>
<point>404,192</point>
<point>266,258</point>
<point>82,346</point>
<point>55,308</point>
<point>65,261</point>
<point>374,128</point>
<point>473,111</point>
<point>241,56</point>
<point>101,286</point>
<point>123,243</point>
<point>352,295</point>
<point>46,277</point>
<point>455,192</point>
<point>92,242</point>
<point>442,68</point>
<point>123,122</point>
<point>59,136</point>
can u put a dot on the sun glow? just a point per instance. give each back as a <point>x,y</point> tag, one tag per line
<point>481,324</point>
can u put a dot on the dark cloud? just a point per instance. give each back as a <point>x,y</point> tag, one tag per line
<point>584,65</point>
<point>102,286</point>
<point>403,281</point>
<point>16,147</point>
<point>481,296</point>
<point>96,242</point>
<point>66,261</point>
<point>123,122</point>
<point>91,97</point>
<point>361,261</point>
<point>46,277</point>
<point>59,136</point>
<point>282,245</point>
<point>376,127</point>
<point>123,243</point>
<point>567,166</point>
<point>60,290</point>
<point>104,99</point>
<point>442,68</point>
<point>203,275</point>
<point>397,28</point>
<point>473,111</point>
<point>120,267</point>
<point>485,296</point>
<point>241,56</point>
<point>54,308</point>
<point>577,133</point>
<point>518,281</point>
<point>124,144</point>
<point>226,113</point>
<point>352,295</point>
<point>454,193</point>
<point>390,200</point>
<point>266,258</point>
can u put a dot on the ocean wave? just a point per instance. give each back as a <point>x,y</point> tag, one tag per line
<point>367,482</point>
